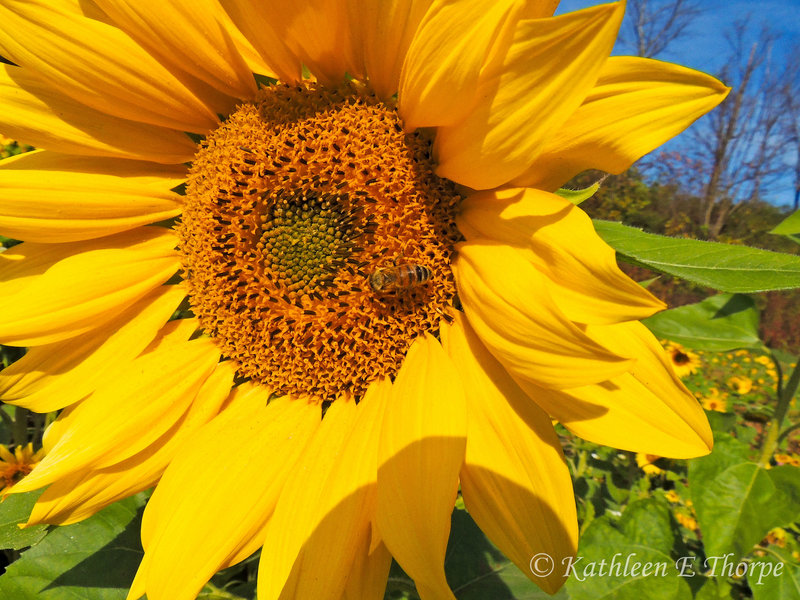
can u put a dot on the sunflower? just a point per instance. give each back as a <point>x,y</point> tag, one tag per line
<point>14,467</point>
<point>684,362</point>
<point>370,289</point>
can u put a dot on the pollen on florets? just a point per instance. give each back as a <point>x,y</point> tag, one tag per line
<point>291,204</point>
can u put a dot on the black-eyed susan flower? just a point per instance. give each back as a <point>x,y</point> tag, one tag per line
<point>715,400</point>
<point>787,459</point>
<point>378,242</point>
<point>14,466</point>
<point>740,384</point>
<point>688,521</point>
<point>647,463</point>
<point>763,360</point>
<point>684,362</point>
<point>776,537</point>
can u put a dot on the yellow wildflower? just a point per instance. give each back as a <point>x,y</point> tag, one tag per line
<point>777,537</point>
<point>13,467</point>
<point>687,521</point>
<point>717,404</point>
<point>646,463</point>
<point>684,362</point>
<point>788,459</point>
<point>740,384</point>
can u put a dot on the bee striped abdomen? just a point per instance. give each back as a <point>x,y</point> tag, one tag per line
<point>400,277</point>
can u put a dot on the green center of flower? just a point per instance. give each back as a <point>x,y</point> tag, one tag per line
<point>317,240</point>
<point>305,240</point>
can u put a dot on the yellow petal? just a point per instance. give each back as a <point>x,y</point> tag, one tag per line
<point>148,397</point>
<point>508,304</point>
<point>647,410</point>
<point>254,60</point>
<point>172,333</point>
<point>38,114</point>
<point>324,34</point>
<point>514,481</point>
<point>421,451</point>
<point>328,502</point>
<point>558,239</point>
<point>5,455</point>
<point>192,525</point>
<point>186,35</point>
<point>302,507</point>
<point>389,27</point>
<point>636,105</point>
<point>124,81</point>
<point>89,286</point>
<point>543,8</point>
<point>49,197</point>
<point>369,574</point>
<point>53,376</point>
<point>439,79</point>
<point>526,94</point>
<point>80,495</point>
<point>254,20</point>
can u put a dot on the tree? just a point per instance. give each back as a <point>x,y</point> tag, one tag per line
<point>736,153</point>
<point>790,93</point>
<point>651,26</point>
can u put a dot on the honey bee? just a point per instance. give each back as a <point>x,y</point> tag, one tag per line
<point>399,277</point>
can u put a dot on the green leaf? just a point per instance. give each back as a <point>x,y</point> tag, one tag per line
<point>95,559</point>
<point>721,422</point>
<point>578,196</point>
<point>787,479</point>
<point>736,501</point>
<point>724,267</point>
<point>476,570</point>
<point>16,509</point>
<point>766,585</point>
<point>630,561</point>
<point>719,323</point>
<point>790,225</point>
<point>714,588</point>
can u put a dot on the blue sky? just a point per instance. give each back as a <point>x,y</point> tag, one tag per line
<point>705,46</point>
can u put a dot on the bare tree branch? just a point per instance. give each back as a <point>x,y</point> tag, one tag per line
<point>651,26</point>
<point>737,153</point>
<point>790,97</point>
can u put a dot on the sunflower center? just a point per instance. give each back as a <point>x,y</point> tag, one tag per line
<point>317,240</point>
<point>304,241</point>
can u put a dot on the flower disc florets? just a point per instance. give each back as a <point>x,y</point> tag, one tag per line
<point>291,205</point>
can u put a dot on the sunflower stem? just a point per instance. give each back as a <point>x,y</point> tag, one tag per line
<point>785,395</point>
<point>784,434</point>
<point>6,418</point>
<point>20,432</point>
<point>212,592</point>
